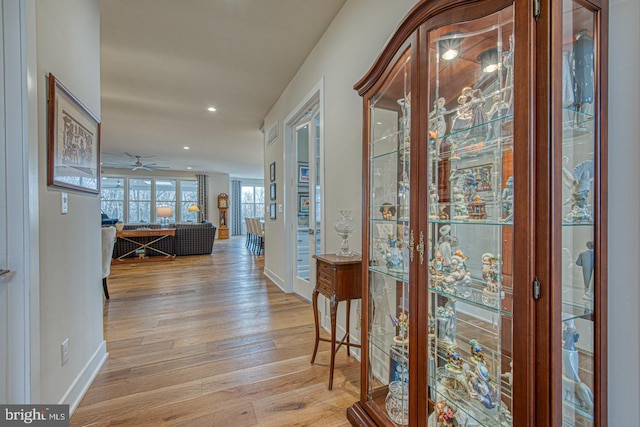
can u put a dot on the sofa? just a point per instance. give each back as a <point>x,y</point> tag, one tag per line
<point>190,239</point>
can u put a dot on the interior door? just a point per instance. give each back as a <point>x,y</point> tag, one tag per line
<point>307,237</point>
<point>14,314</point>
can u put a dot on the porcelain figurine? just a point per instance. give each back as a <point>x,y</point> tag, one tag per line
<point>448,323</point>
<point>437,123</point>
<point>444,247</point>
<point>477,352</point>
<point>573,389</point>
<point>507,62</point>
<point>491,293</point>
<point>586,261</point>
<point>392,256</point>
<point>579,181</point>
<point>454,362</point>
<point>431,324</point>
<point>498,110</point>
<point>507,200</point>
<point>463,118</point>
<point>433,202</point>
<point>583,64</point>
<point>461,211</point>
<point>459,280</point>
<point>478,115</point>
<point>388,211</point>
<point>480,388</point>
<point>469,187</point>
<point>402,323</point>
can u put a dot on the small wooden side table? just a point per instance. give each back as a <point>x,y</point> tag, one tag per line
<point>338,279</point>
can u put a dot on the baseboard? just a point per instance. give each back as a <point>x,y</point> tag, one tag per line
<point>77,390</point>
<point>278,281</point>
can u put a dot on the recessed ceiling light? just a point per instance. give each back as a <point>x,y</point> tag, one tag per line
<point>186,148</point>
<point>189,167</point>
<point>212,109</point>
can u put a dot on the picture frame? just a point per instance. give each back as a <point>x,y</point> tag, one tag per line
<point>272,172</point>
<point>73,142</point>
<point>303,203</point>
<point>303,173</point>
<point>272,211</point>
<point>272,191</point>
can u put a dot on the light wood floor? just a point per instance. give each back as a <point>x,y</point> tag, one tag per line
<point>209,341</point>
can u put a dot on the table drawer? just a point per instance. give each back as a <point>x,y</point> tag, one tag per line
<point>325,280</point>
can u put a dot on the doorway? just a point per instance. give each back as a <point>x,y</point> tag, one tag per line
<point>305,207</point>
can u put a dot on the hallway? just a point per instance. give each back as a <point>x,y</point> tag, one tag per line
<point>209,341</point>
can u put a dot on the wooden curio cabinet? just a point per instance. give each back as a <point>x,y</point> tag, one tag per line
<point>484,227</point>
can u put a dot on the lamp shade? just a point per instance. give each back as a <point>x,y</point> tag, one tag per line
<point>489,60</point>
<point>164,211</point>
<point>449,45</point>
<point>193,208</point>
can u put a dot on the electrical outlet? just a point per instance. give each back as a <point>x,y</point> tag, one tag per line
<point>65,351</point>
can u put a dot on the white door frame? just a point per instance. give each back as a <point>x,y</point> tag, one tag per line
<point>316,94</point>
<point>19,117</point>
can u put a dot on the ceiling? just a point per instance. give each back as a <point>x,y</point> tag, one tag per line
<point>164,62</point>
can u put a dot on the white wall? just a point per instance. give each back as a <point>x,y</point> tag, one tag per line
<point>624,206</point>
<point>68,45</point>
<point>342,56</point>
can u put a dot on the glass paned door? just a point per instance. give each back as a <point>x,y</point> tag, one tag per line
<point>389,235</point>
<point>308,186</point>
<point>579,147</point>
<point>470,220</point>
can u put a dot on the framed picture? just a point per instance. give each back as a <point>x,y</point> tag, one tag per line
<point>73,146</point>
<point>303,202</point>
<point>303,173</point>
<point>272,211</point>
<point>272,191</point>
<point>272,172</point>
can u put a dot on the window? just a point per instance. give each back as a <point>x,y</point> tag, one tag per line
<point>134,200</point>
<point>166,196</point>
<point>252,203</point>
<point>112,197</point>
<point>188,197</point>
<point>140,201</point>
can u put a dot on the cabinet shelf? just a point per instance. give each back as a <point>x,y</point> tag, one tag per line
<point>476,298</point>
<point>473,222</point>
<point>475,133</point>
<point>400,277</point>
<point>572,311</point>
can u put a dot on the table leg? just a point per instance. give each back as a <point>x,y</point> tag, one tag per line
<point>334,310</point>
<point>315,319</point>
<point>348,330</point>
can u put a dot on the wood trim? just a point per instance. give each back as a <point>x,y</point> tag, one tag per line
<point>601,222</point>
<point>423,11</point>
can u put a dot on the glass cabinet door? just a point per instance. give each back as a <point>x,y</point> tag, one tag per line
<point>388,217</point>
<point>470,220</point>
<point>579,149</point>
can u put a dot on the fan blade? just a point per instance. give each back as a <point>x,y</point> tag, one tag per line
<point>130,155</point>
<point>145,168</point>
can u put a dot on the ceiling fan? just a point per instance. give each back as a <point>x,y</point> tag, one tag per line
<point>138,163</point>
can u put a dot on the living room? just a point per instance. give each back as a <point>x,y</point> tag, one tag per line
<point>65,286</point>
